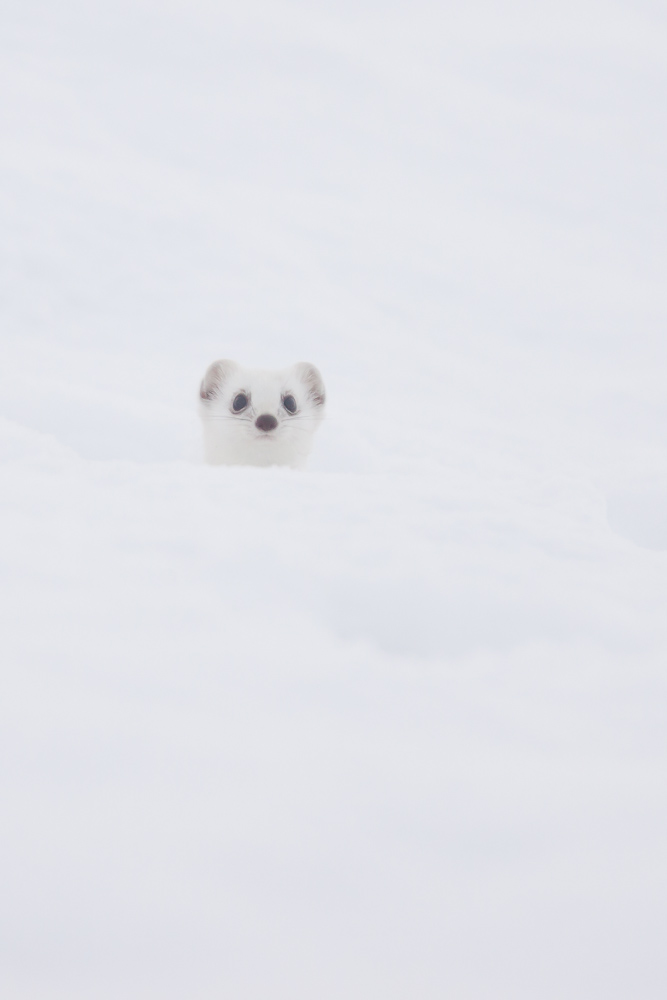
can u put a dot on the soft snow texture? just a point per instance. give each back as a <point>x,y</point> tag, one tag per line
<point>393,727</point>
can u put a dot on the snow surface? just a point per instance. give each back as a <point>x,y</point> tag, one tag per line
<point>393,727</point>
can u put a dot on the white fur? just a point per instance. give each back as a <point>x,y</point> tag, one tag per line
<point>234,439</point>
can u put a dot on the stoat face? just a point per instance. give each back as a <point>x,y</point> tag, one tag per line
<point>256,417</point>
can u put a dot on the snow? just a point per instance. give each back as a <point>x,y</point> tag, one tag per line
<point>393,726</point>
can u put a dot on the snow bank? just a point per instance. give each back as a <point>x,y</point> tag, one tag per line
<point>393,726</point>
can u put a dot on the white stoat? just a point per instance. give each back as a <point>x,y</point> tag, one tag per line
<point>256,417</point>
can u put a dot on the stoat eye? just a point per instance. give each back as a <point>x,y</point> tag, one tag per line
<point>289,402</point>
<point>240,402</point>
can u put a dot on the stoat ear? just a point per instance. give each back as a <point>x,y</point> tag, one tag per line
<point>216,375</point>
<point>312,379</point>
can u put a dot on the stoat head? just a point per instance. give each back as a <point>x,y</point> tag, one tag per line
<point>257,417</point>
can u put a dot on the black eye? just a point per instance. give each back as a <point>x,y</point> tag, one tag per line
<point>289,402</point>
<point>240,402</point>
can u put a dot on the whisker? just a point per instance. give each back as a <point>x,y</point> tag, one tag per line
<point>224,416</point>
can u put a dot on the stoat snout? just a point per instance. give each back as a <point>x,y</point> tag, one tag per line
<point>258,417</point>
<point>266,422</point>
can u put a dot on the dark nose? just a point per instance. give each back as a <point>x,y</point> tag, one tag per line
<point>266,422</point>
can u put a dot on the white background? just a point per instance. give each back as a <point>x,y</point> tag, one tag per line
<point>393,727</point>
